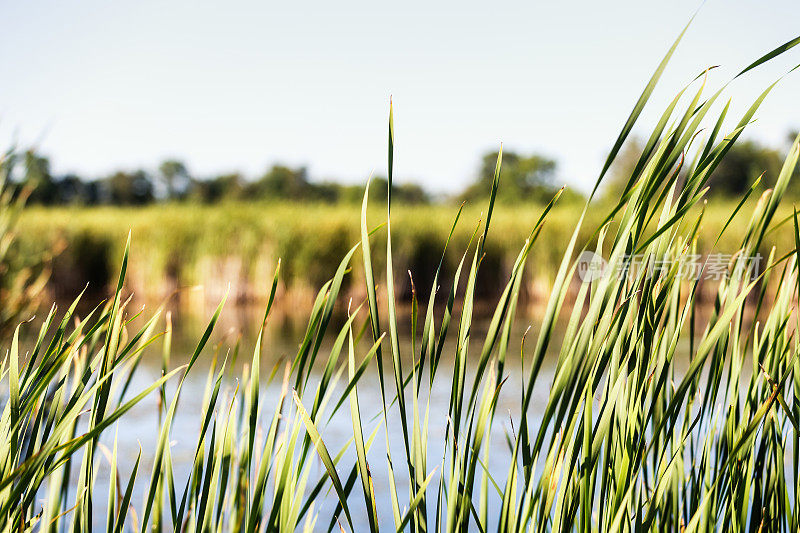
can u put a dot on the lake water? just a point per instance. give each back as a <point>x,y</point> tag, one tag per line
<point>282,336</point>
<point>140,427</point>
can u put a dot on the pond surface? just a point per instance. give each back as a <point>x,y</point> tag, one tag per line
<point>239,325</point>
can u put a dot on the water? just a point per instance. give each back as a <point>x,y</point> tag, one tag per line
<point>238,327</point>
<point>139,429</point>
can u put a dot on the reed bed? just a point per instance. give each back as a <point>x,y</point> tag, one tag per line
<point>238,244</point>
<point>627,441</point>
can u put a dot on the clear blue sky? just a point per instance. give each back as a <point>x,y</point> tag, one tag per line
<point>240,85</point>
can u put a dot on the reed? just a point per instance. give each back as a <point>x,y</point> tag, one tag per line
<point>22,278</point>
<point>239,243</point>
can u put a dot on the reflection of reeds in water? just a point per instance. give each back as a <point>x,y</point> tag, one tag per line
<point>624,440</point>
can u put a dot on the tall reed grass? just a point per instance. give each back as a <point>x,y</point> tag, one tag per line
<point>626,441</point>
<point>239,243</point>
<point>22,279</point>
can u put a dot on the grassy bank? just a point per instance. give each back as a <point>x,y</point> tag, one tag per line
<point>185,245</point>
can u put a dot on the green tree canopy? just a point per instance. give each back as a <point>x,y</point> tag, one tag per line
<point>736,173</point>
<point>742,165</point>
<point>224,186</point>
<point>175,177</point>
<point>37,176</point>
<point>403,192</point>
<point>281,182</point>
<point>522,178</point>
<point>129,188</point>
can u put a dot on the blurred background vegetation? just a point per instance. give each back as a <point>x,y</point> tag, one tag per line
<point>527,178</point>
<point>236,244</point>
<point>22,278</point>
<point>230,229</point>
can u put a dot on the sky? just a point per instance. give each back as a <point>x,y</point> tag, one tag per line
<point>238,86</point>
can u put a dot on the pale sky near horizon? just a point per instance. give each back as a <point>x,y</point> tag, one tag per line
<point>240,85</point>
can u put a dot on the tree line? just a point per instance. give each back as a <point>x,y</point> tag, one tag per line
<point>525,178</point>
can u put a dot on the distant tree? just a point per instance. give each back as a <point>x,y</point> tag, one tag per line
<point>735,174</point>
<point>522,178</point>
<point>742,165</point>
<point>93,192</point>
<point>37,176</point>
<point>71,190</point>
<point>410,193</point>
<point>129,188</point>
<point>225,186</point>
<point>176,178</point>
<point>402,192</point>
<point>326,191</point>
<point>281,182</point>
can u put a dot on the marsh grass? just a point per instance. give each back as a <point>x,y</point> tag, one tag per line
<point>625,442</point>
<point>21,281</point>
<point>239,243</point>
